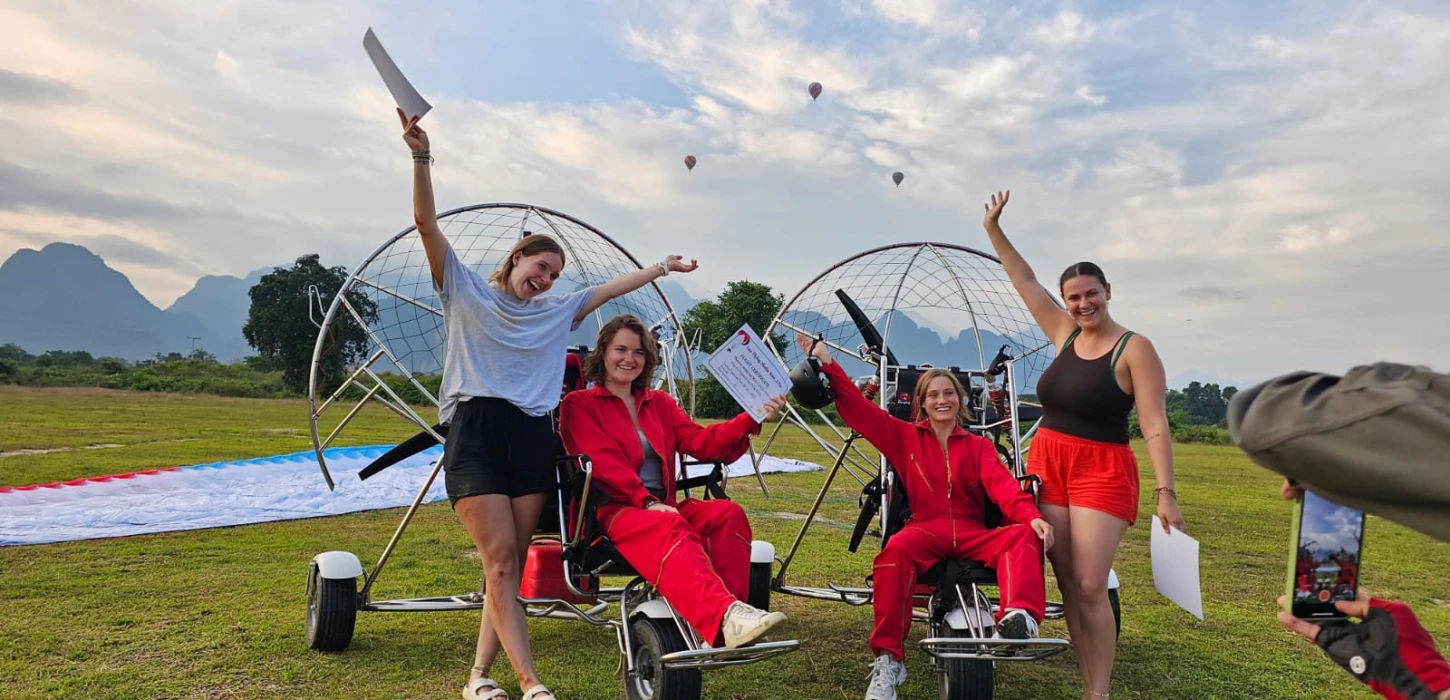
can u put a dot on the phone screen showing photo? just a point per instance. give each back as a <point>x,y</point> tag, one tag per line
<point>1327,559</point>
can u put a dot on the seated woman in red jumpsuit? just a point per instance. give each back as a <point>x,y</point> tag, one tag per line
<point>947,473</point>
<point>697,553</point>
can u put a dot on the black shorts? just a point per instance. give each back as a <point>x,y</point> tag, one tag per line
<point>495,448</point>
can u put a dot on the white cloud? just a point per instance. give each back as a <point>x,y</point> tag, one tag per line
<point>1085,93</point>
<point>938,17</point>
<point>1299,170</point>
<point>1068,28</point>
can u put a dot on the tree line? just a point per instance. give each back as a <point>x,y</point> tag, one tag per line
<point>281,329</point>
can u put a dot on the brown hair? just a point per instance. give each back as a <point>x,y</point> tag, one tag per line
<point>925,381</point>
<point>531,244</point>
<point>1082,269</point>
<point>593,369</point>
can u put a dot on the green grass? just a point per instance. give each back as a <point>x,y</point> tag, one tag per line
<point>218,613</point>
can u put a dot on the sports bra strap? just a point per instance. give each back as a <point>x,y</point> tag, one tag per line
<point>1122,345</point>
<point>1068,342</point>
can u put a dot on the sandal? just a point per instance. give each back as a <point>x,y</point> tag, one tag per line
<point>475,690</point>
<point>539,692</point>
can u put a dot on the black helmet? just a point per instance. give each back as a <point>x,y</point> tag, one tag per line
<point>807,385</point>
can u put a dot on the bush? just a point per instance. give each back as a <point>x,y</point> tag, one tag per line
<point>1184,430</point>
<point>172,373</point>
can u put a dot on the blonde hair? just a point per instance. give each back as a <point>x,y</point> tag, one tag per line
<point>925,381</point>
<point>532,244</point>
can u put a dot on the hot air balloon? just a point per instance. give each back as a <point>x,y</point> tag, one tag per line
<point>897,177</point>
<point>689,162</point>
<point>815,90</point>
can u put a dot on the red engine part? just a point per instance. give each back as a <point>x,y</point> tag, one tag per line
<point>544,574</point>
<point>998,398</point>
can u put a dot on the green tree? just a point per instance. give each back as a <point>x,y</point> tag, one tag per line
<point>15,353</point>
<point>743,302</point>
<point>280,328</point>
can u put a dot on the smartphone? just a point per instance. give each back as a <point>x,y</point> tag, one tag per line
<point>1324,558</point>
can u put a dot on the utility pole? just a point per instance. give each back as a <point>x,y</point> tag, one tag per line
<point>193,339</point>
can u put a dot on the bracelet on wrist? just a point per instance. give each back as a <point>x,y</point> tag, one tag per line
<point>663,268</point>
<point>423,156</point>
<point>1162,490</point>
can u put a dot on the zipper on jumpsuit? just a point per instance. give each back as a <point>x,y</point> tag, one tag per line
<point>950,516</point>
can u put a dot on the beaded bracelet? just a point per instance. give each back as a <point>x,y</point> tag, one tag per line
<point>423,156</point>
<point>1164,489</point>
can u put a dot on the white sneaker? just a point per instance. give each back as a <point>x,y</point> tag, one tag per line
<point>1016,624</point>
<point>886,674</point>
<point>744,624</point>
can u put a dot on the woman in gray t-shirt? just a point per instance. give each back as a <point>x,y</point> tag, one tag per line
<point>503,363</point>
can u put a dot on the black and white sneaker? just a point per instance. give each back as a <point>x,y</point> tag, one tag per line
<point>1016,624</point>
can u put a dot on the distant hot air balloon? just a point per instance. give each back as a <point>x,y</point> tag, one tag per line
<point>897,177</point>
<point>689,162</point>
<point>815,91</point>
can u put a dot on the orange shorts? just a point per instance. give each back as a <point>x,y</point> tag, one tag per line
<point>1085,473</point>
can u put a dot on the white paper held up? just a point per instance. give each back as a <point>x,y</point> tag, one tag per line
<point>748,371</point>
<point>1175,568</point>
<point>407,98</point>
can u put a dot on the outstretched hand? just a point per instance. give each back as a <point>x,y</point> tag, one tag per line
<point>819,350</point>
<point>413,135</point>
<point>676,263</point>
<point>994,208</point>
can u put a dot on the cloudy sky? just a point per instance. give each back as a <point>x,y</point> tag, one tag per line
<point>1265,182</point>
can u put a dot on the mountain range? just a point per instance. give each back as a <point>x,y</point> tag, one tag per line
<point>64,297</point>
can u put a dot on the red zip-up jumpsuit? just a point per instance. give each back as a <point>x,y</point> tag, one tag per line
<point>707,544</point>
<point>947,494</point>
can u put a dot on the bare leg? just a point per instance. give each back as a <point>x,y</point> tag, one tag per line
<point>1061,557</point>
<point>1095,538</point>
<point>526,518</point>
<point>489,520</point>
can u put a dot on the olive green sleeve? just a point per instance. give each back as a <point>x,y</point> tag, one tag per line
<point>1377,439</point>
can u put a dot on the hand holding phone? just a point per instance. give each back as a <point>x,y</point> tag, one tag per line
<point>1389,650</point>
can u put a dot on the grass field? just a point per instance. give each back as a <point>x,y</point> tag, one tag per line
<point>219,613</point>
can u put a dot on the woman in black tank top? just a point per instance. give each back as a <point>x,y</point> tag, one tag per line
<point>1101,373</point>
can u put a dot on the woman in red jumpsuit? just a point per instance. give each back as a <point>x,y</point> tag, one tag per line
<point>948,473</point>
<point>697,553</point>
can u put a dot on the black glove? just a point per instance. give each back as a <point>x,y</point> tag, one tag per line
<point>1389,652</point>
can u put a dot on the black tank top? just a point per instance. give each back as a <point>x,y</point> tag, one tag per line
<point>1082,397</point>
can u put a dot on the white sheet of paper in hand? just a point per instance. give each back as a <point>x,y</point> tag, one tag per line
<point>407,98</point>
<point>748,371</point>
<point>1175,568</point>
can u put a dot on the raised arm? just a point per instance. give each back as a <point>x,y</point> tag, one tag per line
<point>631,281</point>
<point>873,422</point>
<point>1150,397</point>
<point>720,442</point>
<point>582,433</point>
<point>1055,322</point>
<point>425,215</point>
